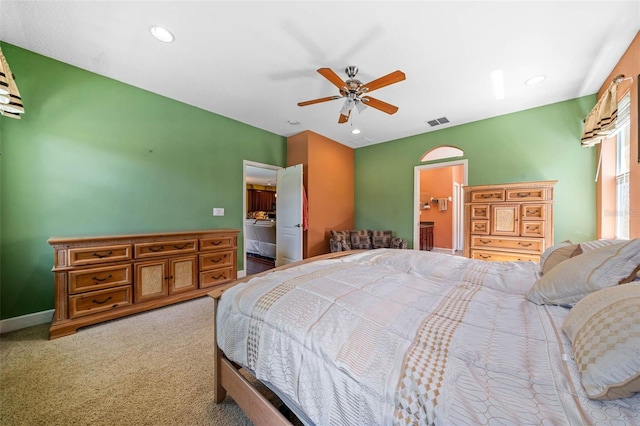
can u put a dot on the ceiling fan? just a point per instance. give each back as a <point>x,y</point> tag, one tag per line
<point>356,93</point>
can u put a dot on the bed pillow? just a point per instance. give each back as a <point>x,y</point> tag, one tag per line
<point>595,244</point>
<point>594,270</point>
<point>558,253</point>
<point>604,330</point>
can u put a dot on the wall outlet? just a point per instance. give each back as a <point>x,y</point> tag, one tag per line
<point>218,211</point>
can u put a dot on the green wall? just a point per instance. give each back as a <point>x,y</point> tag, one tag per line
<point>94,156</point>
<point>536,144</point>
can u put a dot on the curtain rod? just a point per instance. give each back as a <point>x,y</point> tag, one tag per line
<point>620,78</point>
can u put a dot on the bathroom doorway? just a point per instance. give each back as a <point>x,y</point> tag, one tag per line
<point>439,202</point>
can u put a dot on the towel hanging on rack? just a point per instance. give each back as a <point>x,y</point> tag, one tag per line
<point>442,204</point>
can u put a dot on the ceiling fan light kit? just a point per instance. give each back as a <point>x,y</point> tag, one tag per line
<point>354,92</point>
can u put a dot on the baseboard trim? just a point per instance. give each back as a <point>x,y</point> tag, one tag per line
<point>24,321</point>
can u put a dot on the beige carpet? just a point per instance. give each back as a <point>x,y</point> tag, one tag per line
<point>154,368</point>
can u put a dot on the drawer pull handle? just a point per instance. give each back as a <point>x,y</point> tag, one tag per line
<point>169,277</point>
<point>533,211</point>
<point>524,245</point>
<point>479,226</point>
<point>217,277</point>
<point>532,228</point>
<point>156,249</point>
<point>485,256</point>
<point>101,279</point>
<point>485,241</point>
<point>99,302</point>
<point>100,256</point>
<point>482,212</point>
<point>524,194</point>
<point>217,260</point>
<point>180,247</point>
<point>216,243</point>
<point>489,196</point>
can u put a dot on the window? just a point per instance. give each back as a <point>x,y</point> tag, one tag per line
<point>623,158</point>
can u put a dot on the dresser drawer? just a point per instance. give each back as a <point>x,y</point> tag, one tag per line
<point>99,301</point>
<point>216,260</point>
<point>215,277</point>
<point>165,248</point>
<point>99,254</point>
<point>479,227</point>
<point>496,256</point>
<point>487,195</point>
<point>217,243</point>
<point>98,278</point>
<point>480,211</point>
<point>532,229</point>
<point>533,211</point>
<point>533,245</point>
<point>528,194</point>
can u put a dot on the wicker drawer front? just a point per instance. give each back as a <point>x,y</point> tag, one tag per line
<point>99,301</point>
<point>532,194</point>
<point>165,248</point>
<point>480,227</point>
<point>497,256</point>
<point>215,277</point>
<point>532,229</point>
<point>487,195</point>
<point>99,278</point>
<point>99,254</point>
<point>533,245</point>
<point>217,243</point>
<point>216,260</point>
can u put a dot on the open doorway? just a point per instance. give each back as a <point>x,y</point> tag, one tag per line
<point>259,217</point>
<point>439,205</point>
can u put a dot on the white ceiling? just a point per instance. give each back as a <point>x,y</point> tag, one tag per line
<point>254,61</point>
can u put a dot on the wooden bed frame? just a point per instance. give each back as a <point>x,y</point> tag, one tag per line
<point>227,376</point>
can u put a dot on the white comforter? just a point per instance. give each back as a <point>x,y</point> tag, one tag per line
<point>407,337</point>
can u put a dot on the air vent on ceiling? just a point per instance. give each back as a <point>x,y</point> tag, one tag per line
<point>437,121</point>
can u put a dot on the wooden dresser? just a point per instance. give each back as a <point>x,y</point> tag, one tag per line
<point>106,277</point>
<point>512,221</point>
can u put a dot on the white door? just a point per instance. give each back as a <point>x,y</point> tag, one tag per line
<point>289,214</point>
<point>458,226</point>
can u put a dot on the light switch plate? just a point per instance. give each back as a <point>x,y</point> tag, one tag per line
<point>218,211</point>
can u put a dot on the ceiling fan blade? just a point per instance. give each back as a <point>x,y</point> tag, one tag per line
<point>344,118</point>
<point>378,104</point>
<point>383,81</point>
<point>330,75</point>
<point>316,101</point>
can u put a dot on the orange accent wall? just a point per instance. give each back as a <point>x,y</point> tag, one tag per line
<point>328,177</point>
<point>629,65</point>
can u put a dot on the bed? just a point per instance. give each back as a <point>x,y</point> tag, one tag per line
<point>411,337</point>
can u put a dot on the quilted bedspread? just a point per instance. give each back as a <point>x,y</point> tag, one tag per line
<point>408,337</point>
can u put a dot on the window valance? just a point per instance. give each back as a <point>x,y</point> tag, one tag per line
<point>602,120</point>
<point>10,100</point>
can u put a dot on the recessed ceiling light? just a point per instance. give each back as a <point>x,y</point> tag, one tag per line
<point>535,80</point>
<point>161,33</point>
<point>355,131</point>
